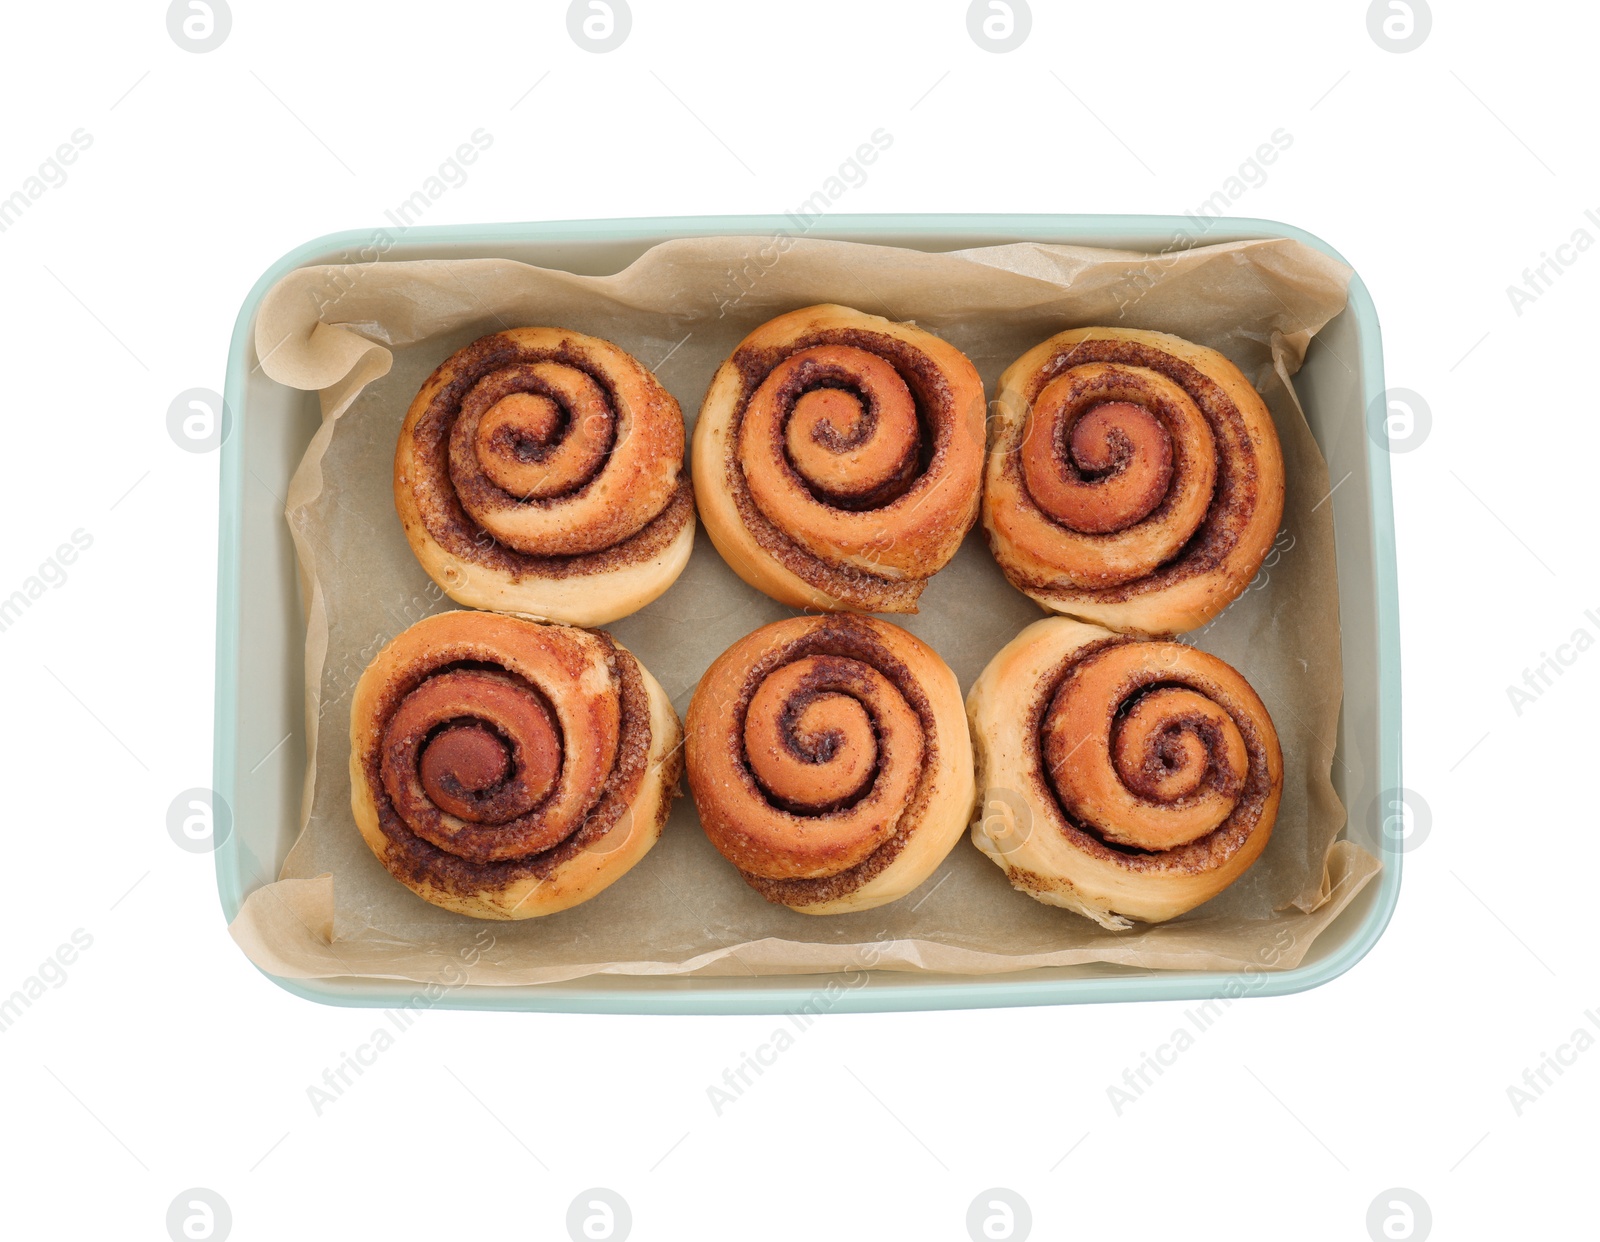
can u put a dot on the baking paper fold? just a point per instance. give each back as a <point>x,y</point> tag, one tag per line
<point>365,336</point>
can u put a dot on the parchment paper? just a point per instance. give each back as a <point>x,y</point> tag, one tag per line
<point>365,336</point>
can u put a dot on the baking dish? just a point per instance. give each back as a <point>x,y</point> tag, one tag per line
<point>259,697</point>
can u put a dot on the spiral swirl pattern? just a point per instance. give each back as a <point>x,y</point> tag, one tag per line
<point>1151,770</point>
<point>843,457</point>
<point>541,471</point>
<point>829,761</point>
<point>1135,479</point>
<point>1142,744</point>
<point>491,754</point>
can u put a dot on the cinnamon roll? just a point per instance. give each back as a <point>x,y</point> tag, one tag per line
<point>838,458</point>
<point>505,769</point>
<point>830,762</point>
<point>540,472</point>
<point>1122,778</point>
<point>1133,479</point>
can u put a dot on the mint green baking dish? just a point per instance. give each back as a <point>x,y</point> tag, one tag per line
<point>260,634</point>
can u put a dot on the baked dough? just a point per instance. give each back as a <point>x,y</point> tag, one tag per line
<point>540,472</point>
<point>838,458</point>
<point>505,769</point>
<point>1122,778</point>
<point>830,762</point>
<point>1133,479</point>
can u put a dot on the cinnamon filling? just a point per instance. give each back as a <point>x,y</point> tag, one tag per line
<point>1148,757</point>
<point>476,784</point>
<point>535,432</point>
<point>540,463</point>
<point>1108,470</point>
<point>1139,466</point>
<point>810,743</point>
<point>468,759</point>
<point>849,426</point>
<point>828,772</point>
<point>837,440</point>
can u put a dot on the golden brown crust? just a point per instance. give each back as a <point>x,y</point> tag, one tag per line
<point>505,769</point>
<point>830,762</point>
<point>838,458</point>
<point>540,472</point>
<point>1121,778</point>
<point>1134,479</point>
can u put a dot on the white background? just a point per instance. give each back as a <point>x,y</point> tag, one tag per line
<point>165,1061</point>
